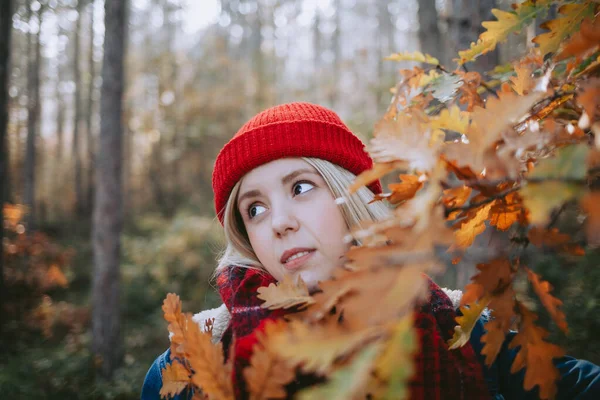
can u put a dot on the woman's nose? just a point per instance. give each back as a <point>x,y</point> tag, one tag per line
<point>284,222</point>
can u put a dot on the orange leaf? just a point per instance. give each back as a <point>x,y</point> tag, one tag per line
<point>552,238</point>
<point>492,340</point>
<point>552,304</point>
<point>471,227</point>
<point>589,98</point>
<point>371,175</point>
<point>267,374</point>
<point>175,378</point>
<point>172,313</point>
<point>523,82</point>
<point>206,360</point>
<point>405,190</point>
<point>456,197</point>
<point>582,42</point>
<point>493,277</point>
<point>535,354</point>
<point>506,211</point>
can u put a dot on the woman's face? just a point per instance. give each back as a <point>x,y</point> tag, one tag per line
<point>292,221</point>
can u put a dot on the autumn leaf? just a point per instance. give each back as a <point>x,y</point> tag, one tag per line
<point>492,340</point>
<point>536,199</point>
<point>589,99</point>
<point>456,197</point>
<point>285,294</point>
<point>394,365</point>
<point>409,186</point>
<point>536,355</point>
<point>507,211</point>
<point>177,322</point>
<point>568,163</point>
<point>451,118</point>
<point>583,41</point>
<point>206,360</point>
<point>267,374</point>
<point>472,226</point>
<point>523,82</point>
<point>466,322</point>
<point>316,348</point>
<point>561,27</point>
<point>347,382</point>
<point>541,237</point>
<point>493,277</point>
<point>414,56</point>
<point>367,177</point>
<point>552,304</point>
<point>175,378</point>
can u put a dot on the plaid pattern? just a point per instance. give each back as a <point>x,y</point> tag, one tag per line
<point>439,372</point>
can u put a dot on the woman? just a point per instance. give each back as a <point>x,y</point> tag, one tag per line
<point>275,185</point>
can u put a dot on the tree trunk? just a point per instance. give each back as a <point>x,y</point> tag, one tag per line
<point>429,32</point>
<point>76,149</point>
<point>89,115</point>
<point>385,46</point>
<point>33,94</point>
<point>337,50</point>
<point>5,33</point>
<point>108,215</point>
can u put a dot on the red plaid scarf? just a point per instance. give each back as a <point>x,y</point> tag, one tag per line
<point>439,372</point>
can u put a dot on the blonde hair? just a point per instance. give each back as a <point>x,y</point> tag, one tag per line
<point>355,209</point>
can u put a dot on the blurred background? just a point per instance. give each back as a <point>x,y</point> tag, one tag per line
<point>196,70</point>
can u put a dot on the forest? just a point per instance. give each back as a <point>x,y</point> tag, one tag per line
<point>482,117</point>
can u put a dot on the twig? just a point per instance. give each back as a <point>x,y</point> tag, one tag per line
<point>480,203</point>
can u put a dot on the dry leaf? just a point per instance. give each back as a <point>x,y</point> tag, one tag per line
<point>536,355</point>
<point>492,340</point>
<point>493,278</point>
<point>267,374</point>
<point>456,197</point>
<point>466,322</point>
<point>367,177</point>
<point>285,294</point>
<point>507,211</point>
<point>206,360</point>
<point>591,205</point>
<point>177,323</point>
<point>471,226</point>
<point>582,42</point>
<point>414,56</point>
<point>452,119</point>
<point>541,237</point>
<point>523,82</point>
<point>175,378</point>
<point>552,304</point>
<point>405,190</point>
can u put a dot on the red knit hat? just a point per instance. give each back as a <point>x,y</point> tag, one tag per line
<point>287,130</point>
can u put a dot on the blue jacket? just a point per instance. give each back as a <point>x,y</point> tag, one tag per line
<point>580,380</point>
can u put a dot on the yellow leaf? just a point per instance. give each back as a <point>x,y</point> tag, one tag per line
<point>539,203</point>
<point>414,56</point>
<point>316,348</point>
<point>552,304</point>
<point>476,49</point>
<point>523,82</point>
<point>466,323</point>
<point>582,42</point>
<point>456,197</point>
<point>473,226</point>
<point>365,178</point>
<point>175,378</point>
<point>452,119</point>
<point>506,211</point>
<point>285,294</point>
<point>561,27</point>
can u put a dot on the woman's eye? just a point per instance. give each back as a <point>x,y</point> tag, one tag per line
<point>302,187</point>
<point>255,210</point>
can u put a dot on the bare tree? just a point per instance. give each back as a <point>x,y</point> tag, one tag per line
<point>429,32</point>
<point>108,214</point>
<point>89,112</point>
<point>33,95</point>
<point>76,149</point>
<point>5,33</point>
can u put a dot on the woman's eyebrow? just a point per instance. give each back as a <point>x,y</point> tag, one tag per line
<point>294,174</point>
<point>250,193</point>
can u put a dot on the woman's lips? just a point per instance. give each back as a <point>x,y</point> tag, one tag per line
<point>296,263</point>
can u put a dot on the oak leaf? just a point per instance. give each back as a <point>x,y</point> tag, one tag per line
<point>285,294</point>
<point>175,378</point>
<point>367,177</point>
<point>267,374</point>
<point>536,355</point>
<point>589,99</point>
<point>552,304</point>
<point>561,27</point>
<point>466,322</point>
<point>349,381</point>
<point>493,277</point>
<point>456,197</point>
<point>316,348</point>
<point>414,56</point>
<point>582,42</point>
<point>523,82</point>
<point>552,238</point>
<point>473,225</point>
<point>507,211</point>
<point>177,323</point>
<point>211,374</point>
<point>451,118</point>
<point>409,186</point>
<point>492,340</point>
